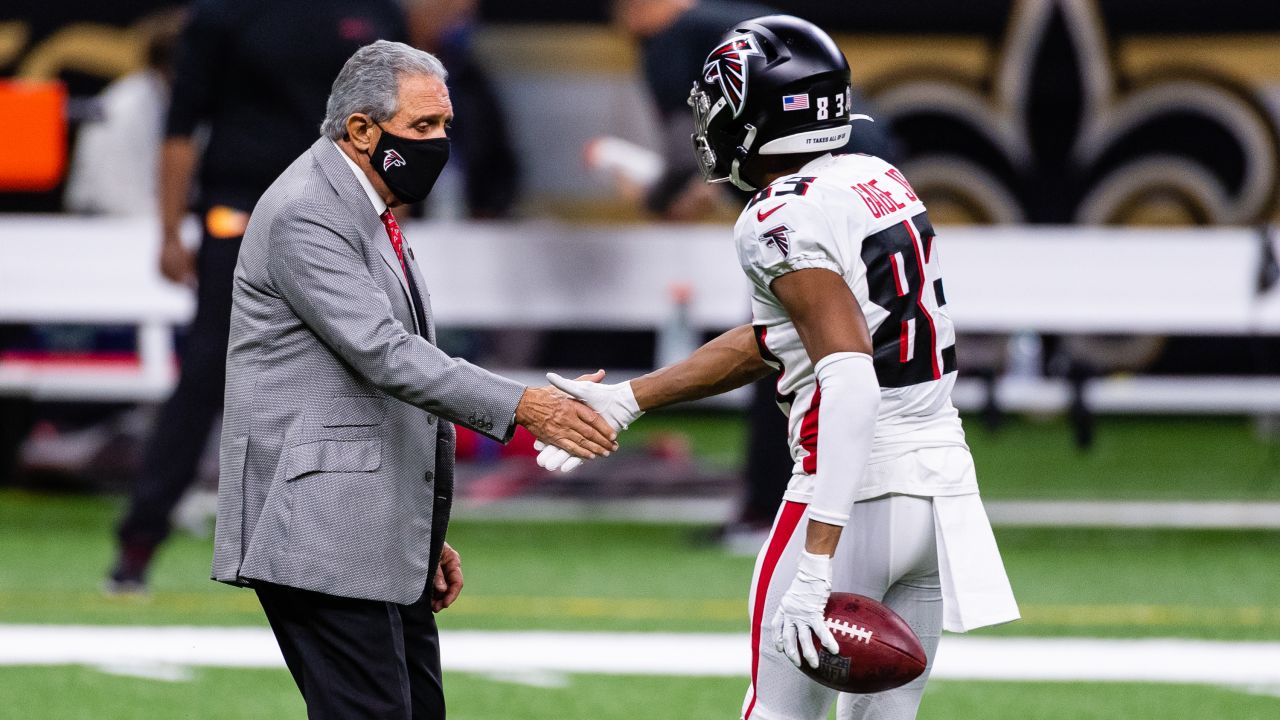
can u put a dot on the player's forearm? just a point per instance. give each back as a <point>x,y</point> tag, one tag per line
<point>726,363</point>
<point>846,432</point>
<point>178,159</point>
<point>822,538</point>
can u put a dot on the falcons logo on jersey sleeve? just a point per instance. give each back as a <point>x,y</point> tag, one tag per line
<point>727,65</point>
<point>778,238</point>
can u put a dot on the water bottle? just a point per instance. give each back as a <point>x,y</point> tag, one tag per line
<point>677,338</point>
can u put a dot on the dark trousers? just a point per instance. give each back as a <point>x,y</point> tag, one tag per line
<point>358,659</point>
<point>181,432</point>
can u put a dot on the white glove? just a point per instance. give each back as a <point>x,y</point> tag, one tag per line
<point>615,403</point>
<point>800,615</point>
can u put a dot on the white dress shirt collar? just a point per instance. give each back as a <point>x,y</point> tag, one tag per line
<point>379,206</point>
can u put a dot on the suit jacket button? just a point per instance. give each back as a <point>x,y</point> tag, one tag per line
<point>431,419</point>
<point>430,476</point>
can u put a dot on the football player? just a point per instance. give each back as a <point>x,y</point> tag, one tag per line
<point>849,309</point>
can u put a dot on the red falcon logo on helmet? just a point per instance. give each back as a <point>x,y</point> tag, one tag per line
<point>727,65</point>
<point>778,238</point>
<point>392,159</point>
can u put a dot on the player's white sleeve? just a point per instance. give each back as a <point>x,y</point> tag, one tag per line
<point>846,427</point>
<point>787,233</point>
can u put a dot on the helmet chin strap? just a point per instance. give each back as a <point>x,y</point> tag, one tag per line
<point>737,180</point>
<point>735,176</point>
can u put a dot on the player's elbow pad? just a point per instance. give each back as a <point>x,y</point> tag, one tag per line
<point>846,428</point>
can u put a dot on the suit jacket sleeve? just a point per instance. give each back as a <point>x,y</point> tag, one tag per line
<point>321,273</point>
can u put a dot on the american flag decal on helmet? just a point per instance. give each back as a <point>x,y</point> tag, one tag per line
<point>392,159</point>
<point>778,238</point>
<point>727,65</point>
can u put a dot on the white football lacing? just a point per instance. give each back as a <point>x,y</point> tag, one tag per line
<point>849,629</point>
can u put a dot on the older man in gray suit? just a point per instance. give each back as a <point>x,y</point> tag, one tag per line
<point>337,442</point>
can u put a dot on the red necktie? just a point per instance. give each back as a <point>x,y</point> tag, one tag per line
<point>397,239</point>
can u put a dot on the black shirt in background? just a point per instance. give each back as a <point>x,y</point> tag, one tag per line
<point>258,72</point>
<point>673,58</point>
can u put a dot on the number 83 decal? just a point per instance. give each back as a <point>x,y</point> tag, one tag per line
<point>842,102</point>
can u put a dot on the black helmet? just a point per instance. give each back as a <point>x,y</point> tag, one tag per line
<point>775,85</point>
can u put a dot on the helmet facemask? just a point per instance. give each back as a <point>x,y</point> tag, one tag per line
<point>711,163</point>
<point>703,113</point>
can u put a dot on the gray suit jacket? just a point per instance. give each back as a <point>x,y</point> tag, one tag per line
<point>336,471</point>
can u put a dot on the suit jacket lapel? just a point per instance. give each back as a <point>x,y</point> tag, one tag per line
<point>370,226</point>
<point>411,263</point>
<point>388,254</point>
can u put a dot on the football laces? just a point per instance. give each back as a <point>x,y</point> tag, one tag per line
<point>849,630</point>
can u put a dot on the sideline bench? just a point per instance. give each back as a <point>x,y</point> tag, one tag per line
<point>1064,280</point>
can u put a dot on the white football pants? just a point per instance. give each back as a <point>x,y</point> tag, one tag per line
<point>889,553</point>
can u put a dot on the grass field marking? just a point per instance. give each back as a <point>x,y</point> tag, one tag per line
<point>1238,664</point>
<point>1185,515</point>
<point>536,607</point>
<point>162,672</point>
<point>1131,514</point>
<point>604,608</point>
<point>1146,615</point>
<point>1149,615</point>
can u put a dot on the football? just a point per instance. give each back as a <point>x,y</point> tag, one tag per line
<point>878,650</point>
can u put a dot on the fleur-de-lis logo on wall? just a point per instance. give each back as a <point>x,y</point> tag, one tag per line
<point>1059,135</point>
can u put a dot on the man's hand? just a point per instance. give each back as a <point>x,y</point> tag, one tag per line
<point>448,582</point>
<point>565,423</point>
<point>615,403</point>
<point>177,263</point>
<point>800,615</point>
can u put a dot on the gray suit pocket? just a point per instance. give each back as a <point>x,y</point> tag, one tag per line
<point>334,456</point>
<point>356,411</point>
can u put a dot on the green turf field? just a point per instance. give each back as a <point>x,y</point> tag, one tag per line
<point>215,694</point>
<point>594,576</point>
<point>636,577</point>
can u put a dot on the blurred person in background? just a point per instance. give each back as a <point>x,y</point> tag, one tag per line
<point>255,75</point>
<point>482,180</point>
<point>483,176</point>
<point>674,36</point>
<point>113,170</point>
<point>337,449</point>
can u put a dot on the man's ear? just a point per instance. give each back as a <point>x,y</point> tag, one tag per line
<point>360,132</point>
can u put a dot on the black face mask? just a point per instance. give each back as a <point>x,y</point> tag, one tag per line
<point>409,167</point>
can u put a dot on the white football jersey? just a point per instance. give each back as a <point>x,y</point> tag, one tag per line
<point>857,216</point>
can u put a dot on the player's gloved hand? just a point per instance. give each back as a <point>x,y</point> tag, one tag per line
<point>800,615</point>
<point>615,403</point>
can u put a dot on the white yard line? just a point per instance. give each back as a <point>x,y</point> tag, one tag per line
<point>1004,513</point>
<point>1137,514</point>
<point>544,654</point>
<point>1207,514</point>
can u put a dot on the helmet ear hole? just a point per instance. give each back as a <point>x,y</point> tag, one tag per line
<point>768,47</point>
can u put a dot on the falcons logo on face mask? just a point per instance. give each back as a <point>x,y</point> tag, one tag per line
<point>727,65</point>
<point>392,159</point>
<point>778,238</point>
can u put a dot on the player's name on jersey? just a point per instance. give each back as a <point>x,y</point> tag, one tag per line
<point>879,199</point>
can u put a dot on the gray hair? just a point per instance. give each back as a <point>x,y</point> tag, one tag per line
<point>370,83</point>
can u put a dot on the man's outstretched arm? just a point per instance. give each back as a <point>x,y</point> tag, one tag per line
<point>728,362</point>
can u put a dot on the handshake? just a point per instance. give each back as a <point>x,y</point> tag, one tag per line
<point>615,404</point>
